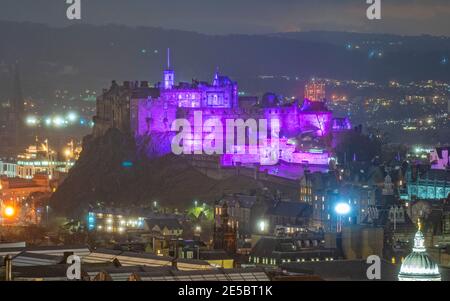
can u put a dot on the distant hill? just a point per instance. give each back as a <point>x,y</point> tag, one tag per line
<point>88,56</point>
<point>388,42</point>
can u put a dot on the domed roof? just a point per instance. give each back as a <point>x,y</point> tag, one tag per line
<point>418,266</point>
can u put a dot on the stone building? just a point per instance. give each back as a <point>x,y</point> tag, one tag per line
<point>427,184</point>
<point>150,111</point>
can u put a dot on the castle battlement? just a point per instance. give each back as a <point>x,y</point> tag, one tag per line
<point>143,110</point>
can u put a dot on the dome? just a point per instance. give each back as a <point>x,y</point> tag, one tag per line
<point>418,266</point>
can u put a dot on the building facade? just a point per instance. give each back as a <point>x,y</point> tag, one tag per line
<point>433,184</point>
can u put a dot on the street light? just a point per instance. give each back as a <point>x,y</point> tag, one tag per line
<point>262,225</point>
<point>10,211</point>
<point>341,210</point>
<point>47,208</point>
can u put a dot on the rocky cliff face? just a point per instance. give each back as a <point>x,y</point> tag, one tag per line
<point>115,169</point>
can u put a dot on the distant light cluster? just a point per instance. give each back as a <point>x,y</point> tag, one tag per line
<point>58,121</point>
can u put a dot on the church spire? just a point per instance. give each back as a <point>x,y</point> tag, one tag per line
<point>169,74</point>
<point>168,58</point>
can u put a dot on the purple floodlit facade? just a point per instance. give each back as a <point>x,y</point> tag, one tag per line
<point>148,112</point>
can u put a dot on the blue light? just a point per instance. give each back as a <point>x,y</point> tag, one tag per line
<point>342,208</point>
<point>127,164</point>
<point>91,221</point>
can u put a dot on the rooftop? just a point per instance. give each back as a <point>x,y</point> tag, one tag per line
<point>290,208</point>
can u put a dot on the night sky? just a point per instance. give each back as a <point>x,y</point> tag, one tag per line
<point>411,17</point>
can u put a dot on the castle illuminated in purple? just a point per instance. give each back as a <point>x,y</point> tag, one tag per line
<point>307,130</point>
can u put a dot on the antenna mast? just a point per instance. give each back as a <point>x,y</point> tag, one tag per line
<point>168,58</point>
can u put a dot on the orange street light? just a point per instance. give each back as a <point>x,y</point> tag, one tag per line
<point>10,211</point>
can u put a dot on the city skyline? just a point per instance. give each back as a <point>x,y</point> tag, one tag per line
<point>245,152</point>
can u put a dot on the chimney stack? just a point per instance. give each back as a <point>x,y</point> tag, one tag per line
<point>8,268</point>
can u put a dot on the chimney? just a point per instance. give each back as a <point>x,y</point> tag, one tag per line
<point>65,256</point>
<point>175,263</point>
<point>175,259</point>
<point>8,268</point>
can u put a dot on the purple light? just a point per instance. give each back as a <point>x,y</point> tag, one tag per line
<point>153,118</point>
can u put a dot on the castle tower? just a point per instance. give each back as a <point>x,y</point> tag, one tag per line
<point>169,74</point>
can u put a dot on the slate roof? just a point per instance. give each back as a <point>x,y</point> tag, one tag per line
<point>436,175</point>
<point>383,220</point>
<point>245,201</point>
<point>122,273</point>
<point>273,247</point>
<point>248,274</point>
<point>55,272</point>
<point>170,223</point>
<point>341,270</point>
<point>126,258</point>
<point>35,259</point>
<point>290,209</point>
<point>80,250</point>
<point>214,255</point>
